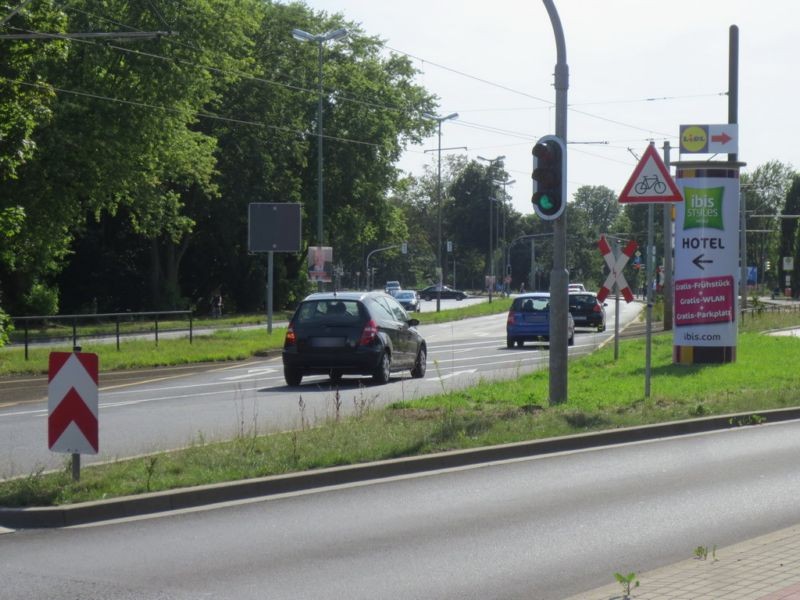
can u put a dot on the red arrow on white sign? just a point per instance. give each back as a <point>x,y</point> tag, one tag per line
<point>72,400</point>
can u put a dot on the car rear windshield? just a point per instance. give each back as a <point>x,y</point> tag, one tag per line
<point>530,304</point>
<point>342,311</point>
<point>582,300</point>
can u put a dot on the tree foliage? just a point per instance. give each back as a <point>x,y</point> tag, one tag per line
<point>164,142</point>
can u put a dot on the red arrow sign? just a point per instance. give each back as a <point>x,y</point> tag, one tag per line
<point>72,409</point>
<point>73,403</point>
<point>722,138</point>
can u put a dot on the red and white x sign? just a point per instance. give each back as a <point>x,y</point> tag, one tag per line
<point>72,402</point>
<point>615,267</point>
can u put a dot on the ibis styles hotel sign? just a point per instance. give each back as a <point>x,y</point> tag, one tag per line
<point>706,263</point>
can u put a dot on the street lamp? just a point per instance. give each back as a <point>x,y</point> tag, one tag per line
<point>439,121</point>
<point>320,39</point>
<point>490,266</point>
<point>506,260</point>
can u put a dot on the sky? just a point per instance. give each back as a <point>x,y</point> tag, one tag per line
<point>638,70</point>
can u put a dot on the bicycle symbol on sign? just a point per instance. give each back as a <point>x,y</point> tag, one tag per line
<point>650,183</point>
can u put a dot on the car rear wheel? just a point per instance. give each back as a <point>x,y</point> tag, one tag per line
<point>336,376</point>
<point>509,342</point>
<point>571,340</point>
<point>420,364</point>
<point>292,376</point>
<point>601,327</point>
<point>520,343</point>
<point>383,371</point>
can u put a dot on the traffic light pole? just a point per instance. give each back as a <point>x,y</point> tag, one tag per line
<point>559,276</point>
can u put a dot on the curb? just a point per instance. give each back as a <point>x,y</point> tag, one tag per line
<point>145,504</point>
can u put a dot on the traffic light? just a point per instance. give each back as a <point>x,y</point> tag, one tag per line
<point>549,177</point>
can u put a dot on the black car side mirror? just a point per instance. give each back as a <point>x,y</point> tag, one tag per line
<point>413,322</point>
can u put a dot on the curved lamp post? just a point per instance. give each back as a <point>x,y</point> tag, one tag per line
<point>439,203</point>
<point>320,39</point>
<point>490,261</point>
<point>506,257</point>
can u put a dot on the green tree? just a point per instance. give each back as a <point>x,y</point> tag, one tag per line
<point>25,94</point>
<point>790,244</point>
<point>123,133</point>
<point>765,193</point>
<point>594,211</point>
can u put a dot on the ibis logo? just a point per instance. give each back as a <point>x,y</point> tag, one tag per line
<point>703,208</point>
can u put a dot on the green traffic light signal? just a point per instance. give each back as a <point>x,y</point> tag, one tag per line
<point>545,203</point>
<point>549,177</point>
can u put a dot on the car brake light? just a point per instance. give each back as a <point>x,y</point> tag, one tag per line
<point>369,334</point>
<point>291,338</point>
<point>596,308</point>
<point>510,320</point>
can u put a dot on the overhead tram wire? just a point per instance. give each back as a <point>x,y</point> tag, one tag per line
<point>349,99</point>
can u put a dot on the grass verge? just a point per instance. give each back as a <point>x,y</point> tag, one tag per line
<point>603,394</point>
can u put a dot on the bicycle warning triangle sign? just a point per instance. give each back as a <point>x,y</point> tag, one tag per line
<point>651,181</point>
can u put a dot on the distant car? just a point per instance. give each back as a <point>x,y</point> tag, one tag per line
<point>529,320</point>
<point>391,286</point>
<point>587,310</point>
<point>363,333</point>
<point>576,287</point>
<point>431,292</point>
<point>408,299</point>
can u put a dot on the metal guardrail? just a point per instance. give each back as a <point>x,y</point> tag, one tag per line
<point>116,317</point>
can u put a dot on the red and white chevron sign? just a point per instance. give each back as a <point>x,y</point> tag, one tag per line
<point>615,267</point>
<point>72,402</point>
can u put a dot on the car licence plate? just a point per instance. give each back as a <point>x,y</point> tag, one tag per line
<point>328,342</point>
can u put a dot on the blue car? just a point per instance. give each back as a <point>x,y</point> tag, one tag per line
<point>529,320</point>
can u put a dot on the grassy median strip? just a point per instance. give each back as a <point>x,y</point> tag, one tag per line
<point>603,394</point>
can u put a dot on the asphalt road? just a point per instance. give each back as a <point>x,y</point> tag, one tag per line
<point>172,408</point>
<point>543,528</point>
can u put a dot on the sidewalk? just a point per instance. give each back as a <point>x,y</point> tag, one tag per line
<point>764,568</point>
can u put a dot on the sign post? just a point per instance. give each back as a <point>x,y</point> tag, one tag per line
<point>72,402</point>
<point>616,279</point>
<point>650,183</point>
<point>273,227</point>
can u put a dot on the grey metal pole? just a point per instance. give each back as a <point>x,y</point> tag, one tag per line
<point>616,304</point>
<point>439,223</point>
<point>649,333</point>
<point>489,261</point>
<point>559,276</point>
<point>320,234</point>
<point>320,239</point>
<point>667,232</point>
<point>532,281</point>
<point>743,249</point>
<point>270,281</point>
<point>76,457</point>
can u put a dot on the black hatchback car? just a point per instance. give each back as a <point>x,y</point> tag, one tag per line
<point>362,333</point>
<point>408,299</point>
<point>432,291</point>
<point>587,310</point>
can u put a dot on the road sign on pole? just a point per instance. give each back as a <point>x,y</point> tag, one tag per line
<point>615,266</point>
<point>709,139</point>
<point>651,181</point>
<point>72,401</point>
